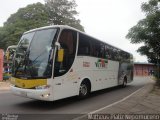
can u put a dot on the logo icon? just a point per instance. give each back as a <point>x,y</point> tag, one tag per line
<point>101,63</point>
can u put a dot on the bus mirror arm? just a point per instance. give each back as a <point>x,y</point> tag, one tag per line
<point>57,44</point>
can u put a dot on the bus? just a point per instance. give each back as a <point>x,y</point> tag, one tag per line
<point>8,60</point>
<point>56,62</point>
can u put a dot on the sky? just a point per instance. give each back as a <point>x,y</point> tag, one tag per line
<point>107,20</point>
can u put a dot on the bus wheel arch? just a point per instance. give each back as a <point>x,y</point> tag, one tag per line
<point>85,88</point>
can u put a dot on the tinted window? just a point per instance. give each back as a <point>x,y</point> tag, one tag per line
<point>91,47</point>
<point>84,47</point>
<point>98,49</point>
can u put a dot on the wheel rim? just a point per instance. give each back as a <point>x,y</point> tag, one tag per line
<point>83,89</point>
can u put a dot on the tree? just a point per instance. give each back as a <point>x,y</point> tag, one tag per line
<point>2,43</point>
<point>24,19</point>
<point>38,15</point>
<point>63,12</point>
<point>147,31</point>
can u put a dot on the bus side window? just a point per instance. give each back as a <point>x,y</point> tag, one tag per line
<point>84,45</point>
<point>102,50</point>
<point>106,52</point>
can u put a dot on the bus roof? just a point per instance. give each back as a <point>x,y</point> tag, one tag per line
<point>68,27</point>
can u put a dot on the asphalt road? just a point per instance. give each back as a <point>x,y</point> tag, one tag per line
<point>10,103</point>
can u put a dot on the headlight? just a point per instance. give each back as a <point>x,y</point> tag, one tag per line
<point>46,95</point>
<point>43,87</point>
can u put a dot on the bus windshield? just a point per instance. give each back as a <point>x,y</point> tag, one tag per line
<point>32,57</point>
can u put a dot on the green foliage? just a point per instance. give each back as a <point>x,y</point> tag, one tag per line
<point>38,15</point>
<point>24,19</point>
<point>63,12</point>
<point>147,31</point>
<point>2,42</point>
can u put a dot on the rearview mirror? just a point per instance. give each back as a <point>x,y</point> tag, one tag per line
<point>60,55</point>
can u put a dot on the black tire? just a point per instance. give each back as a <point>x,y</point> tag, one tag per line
<point>84,90</point>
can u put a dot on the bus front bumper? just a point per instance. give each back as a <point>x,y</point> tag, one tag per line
<point>39,94</point>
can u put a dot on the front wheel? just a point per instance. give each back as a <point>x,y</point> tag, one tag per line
<point>84,90</point>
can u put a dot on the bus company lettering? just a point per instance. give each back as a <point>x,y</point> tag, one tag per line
<point>101,63</point>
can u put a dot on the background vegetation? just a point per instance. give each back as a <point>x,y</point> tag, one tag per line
<point>147,31</point>
<point>53,12</point>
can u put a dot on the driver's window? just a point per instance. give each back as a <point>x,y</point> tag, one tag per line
<point>68,41</point>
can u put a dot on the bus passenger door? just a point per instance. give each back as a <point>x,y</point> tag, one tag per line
<point>64,82</point>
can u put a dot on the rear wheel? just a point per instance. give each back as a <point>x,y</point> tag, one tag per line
<point>84,90</point>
